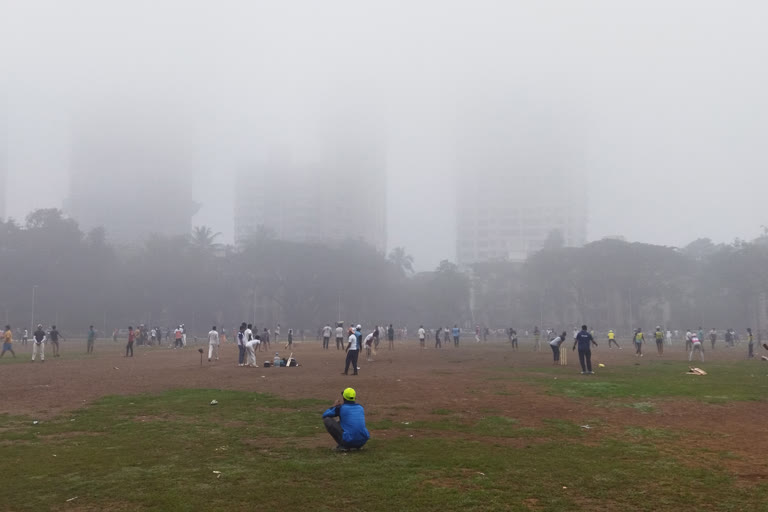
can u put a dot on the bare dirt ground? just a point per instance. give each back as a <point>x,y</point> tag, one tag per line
<point>406,384</point>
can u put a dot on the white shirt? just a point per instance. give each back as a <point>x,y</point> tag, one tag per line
<point>352,342</point>
<point>213,338</point>
<point>339,332</point>
<point>248,336</point>
<point>422,333</point>
<point>327,331</point>
<point>369,339</point>
<point>555,342</point>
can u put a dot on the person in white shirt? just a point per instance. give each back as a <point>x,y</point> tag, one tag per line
<point>326,336</point>
<point>422,336</point>
<point>369,339</point>
<point>252,346</point>
<point>555,345</point>
<point>339,337</point>
<point>183,335</point>
<point>353,351</point>
<point>248,334</point>
<point>213,344</point>
<point>277,333</point>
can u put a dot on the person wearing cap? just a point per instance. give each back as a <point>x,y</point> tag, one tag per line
<point>349,430</point>
<point>39,343</point>
<point>353,351</point>
<point>612,339</point>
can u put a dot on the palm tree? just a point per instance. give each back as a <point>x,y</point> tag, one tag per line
<point>402,260</point>
<point>203,239</point>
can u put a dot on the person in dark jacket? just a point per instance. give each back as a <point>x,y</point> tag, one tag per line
<point>585,341</point>
<point>349,430</point>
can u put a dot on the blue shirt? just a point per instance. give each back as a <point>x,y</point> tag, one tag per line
<point>352,418</point>
<point>584,339</point>
<point>455,331</point>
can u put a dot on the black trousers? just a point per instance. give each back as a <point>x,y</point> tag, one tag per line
<point>351,359</point>
<point>333,426</point>
<point>339,343</point>
<point>129,348</point>
<point>325,342</point>
<point>585,359</point>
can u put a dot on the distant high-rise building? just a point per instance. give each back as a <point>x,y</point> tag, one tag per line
<point>327,200</point>
<point>133,176</point>
<point>516,186</point>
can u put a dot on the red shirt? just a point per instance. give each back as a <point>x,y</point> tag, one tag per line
<point>131,336</point>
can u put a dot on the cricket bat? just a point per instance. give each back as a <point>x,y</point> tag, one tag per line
<point>288,361</point>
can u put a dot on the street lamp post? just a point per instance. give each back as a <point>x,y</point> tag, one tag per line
<point>32,322</point>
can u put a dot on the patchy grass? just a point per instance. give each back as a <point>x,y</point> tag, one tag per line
<point>725,382</point>
<point>159,452</point>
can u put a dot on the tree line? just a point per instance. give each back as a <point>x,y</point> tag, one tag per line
<point>78,279</point>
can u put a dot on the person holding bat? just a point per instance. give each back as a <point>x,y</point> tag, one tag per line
<point>349,430</point>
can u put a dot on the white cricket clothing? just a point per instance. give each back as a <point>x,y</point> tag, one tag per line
<point>555,342</point>
<point>369,339</point>
<point>327,331</point>
<point>213,338</point>
<point>251,348</point>
<point>339,332</point>
<point>422,333</point>
<point>38,347</point>
<point>353,342</point>
<point>248,335</point>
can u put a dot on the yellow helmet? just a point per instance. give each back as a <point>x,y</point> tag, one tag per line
<point>349,394</point>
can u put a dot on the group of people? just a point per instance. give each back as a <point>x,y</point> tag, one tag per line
<point>39,338</point>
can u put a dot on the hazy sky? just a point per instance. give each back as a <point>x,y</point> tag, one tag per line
<point>665,100</point>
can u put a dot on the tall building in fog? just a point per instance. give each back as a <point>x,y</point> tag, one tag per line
<point>516,185</point>
<point>338,195</point>
<point>132,175</point>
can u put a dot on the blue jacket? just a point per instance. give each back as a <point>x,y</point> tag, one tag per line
<point>352,418</point>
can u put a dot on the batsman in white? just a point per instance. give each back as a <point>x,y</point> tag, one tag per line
<point>213,344</point>
<point>38,345</point>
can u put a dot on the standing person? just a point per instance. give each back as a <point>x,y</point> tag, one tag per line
<point>612,339</point>
<point>265,339</point>
<point>555,346</point>
<point>91,340</point>
<point>54,334</point>
<point>177,338</point>
<point>477,333</point>
<point>659,336</point>
<point>422,336</point>
<point>114,335</point>
<point>438,336</point>
<point>213,344</point>
<point>513,338</point>
<point>456,333</point>
<point>696,345</point>
<point>584,340</point>
<point>751,344</point>
<point>326,336</point>
<point>8,342</point>
<point>536,338</point>
<point>277,334</point>
<point>688,337</point>
<point>183,335</point>
<point>639,339</point>
<point>446,335</point>
<point>290,339</point>
<point>713,337</point>
<point>339,336</point>
<point>349,431</point>
<point>390,337</point>
<point>153,336</point>
<point>728,338</point>
<point>39,343</point>
<point>353,351</point>
<point>241,344</point>
<point>131,338</point>
<point>25,337</point>
<point>669,337</point>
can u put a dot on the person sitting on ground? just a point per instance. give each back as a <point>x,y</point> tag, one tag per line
<point>349,430</point>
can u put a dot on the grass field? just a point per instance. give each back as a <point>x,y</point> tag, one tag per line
<point>160,451</point>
